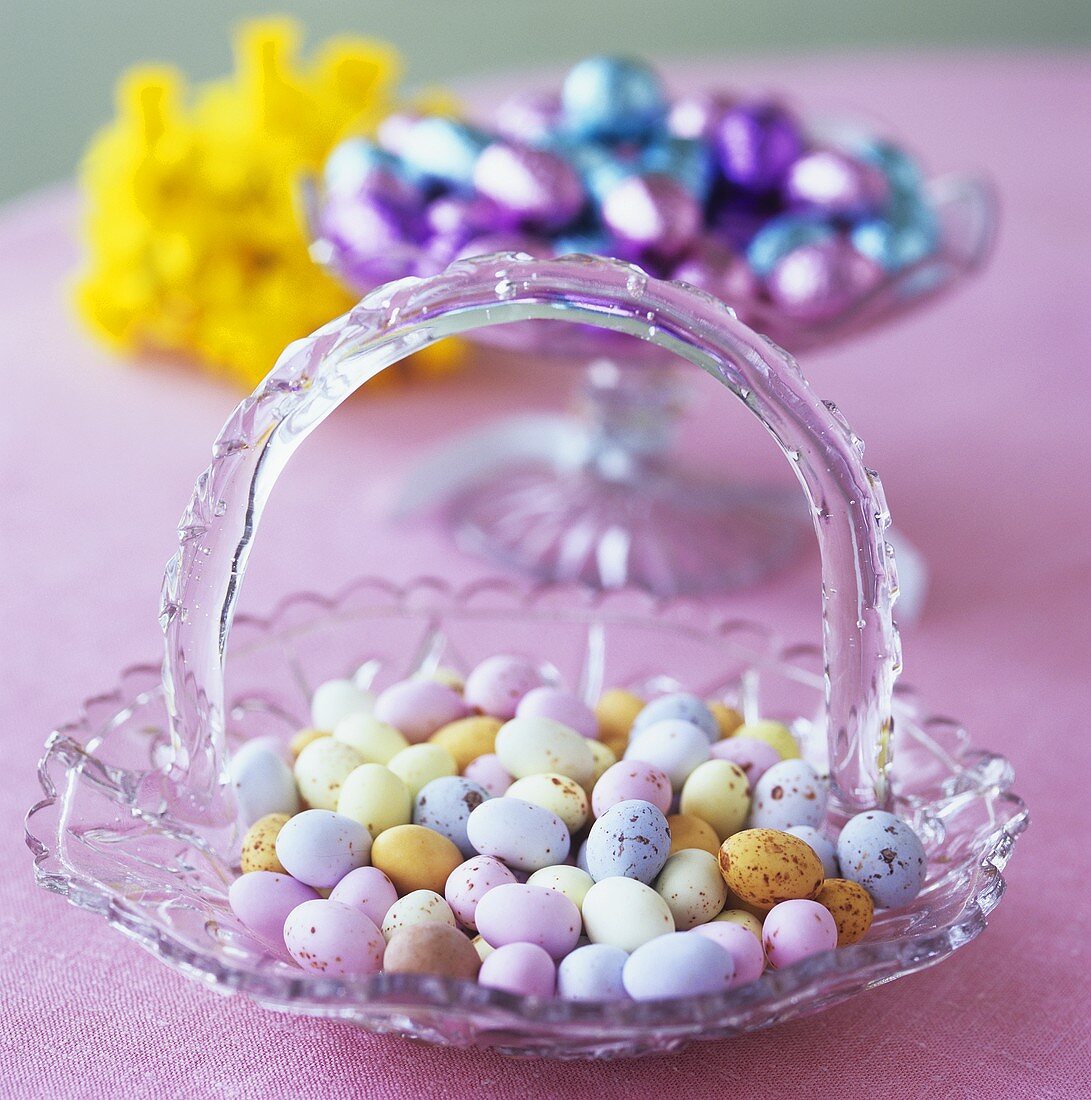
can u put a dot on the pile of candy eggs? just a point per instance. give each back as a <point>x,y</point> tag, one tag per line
<point>502,831</point>
<point>730,194</point>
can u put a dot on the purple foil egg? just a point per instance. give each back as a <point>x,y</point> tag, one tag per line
<point>757,144</point>
<point>836,183</point>
<point>369,237</point>
<point>698,116</point>
<point>651,215</point>
<point>538,188</point>
<point>821,280</point>
<point>531,118</point>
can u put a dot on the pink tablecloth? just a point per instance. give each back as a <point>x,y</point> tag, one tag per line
<point>976,414</point>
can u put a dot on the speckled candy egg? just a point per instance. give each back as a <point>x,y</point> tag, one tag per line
<point>884,855</point>
<point>445,805</point>
<point>468,738</point>
<point>374,796</point>
<point>616,712</point>
<point>522,913</point>
<point>321,768</point>
<point>336,699</point>
<point>632,839</point>
<point>469,882</point>
<point>368,890</point>
<point>677,965</point>
<point>592,973</point>
<point>418,765</point>
<point>776,734</point>
<point>419,707</point>
<point>625,913</point>
<point>259,846</point>
<point>744,947</point>
<point>795,930</point>
<point>573,882</point>
<point>415,858</point>
<point>521,968</point>
<point>335,940</point>
<point>823,846</point>
<point>497,684</point>
<point>262,782</point>
<point>742,918</point>
<point>531,746</point>
<point>533,187</point>
<point>262,900</point>
<point>560,705</point>
<point>376,742</point>
<point>319,847</point>
<point>688,831</point>
<point>302,738</point>
<point>717,792</point>
<point>431,948</point>
<point>764,867</point>
<point>693,888</point>
<point>631,779</point>
<point>754,757</point>
<point>416,907</point>
<point>851,907</point>
<point>674,746</point>
<point>680,705</point>
<point>556,793</point>
<point>489,773</point>
<point>728,719</point>
<point>524,836</point>
<point>789,793</point>
<point>604,757</point>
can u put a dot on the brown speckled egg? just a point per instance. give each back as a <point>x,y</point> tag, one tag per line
<point>689,831</point>
<point>432,949</point>
<point>765,866</point>
<point>415,858</point>
<point>259,846</point>
<point>727,718</point>
<point>851,907</point>
<point>303,738</point>
<point>468,738</point>
<point>616,711</point>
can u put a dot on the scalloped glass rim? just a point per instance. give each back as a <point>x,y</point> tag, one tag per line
<point>77,766</point>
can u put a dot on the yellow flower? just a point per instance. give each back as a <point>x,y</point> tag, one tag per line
<point>196,243</point>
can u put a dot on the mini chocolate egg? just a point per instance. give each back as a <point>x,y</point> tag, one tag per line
<point>368,890</point>
<point>521,913</point>
<point>376,742</point>
<point>445,805</point>
<point>531,746</point>
<point>417,765</point>
<point>484,950</point>
<point>884,855</point>
<point>375,797</point>
<point>592,973</point>
<point>616,712</point>
<point>764,867</point>
<point>524,836</point>
<point>901,170</point>
<point>742,918</point>
<point>822,280</point>
<point>570,881</point>
<point>823,846</point>
<point>556,793</point>
<point>754,757</point>
<point>610,98</point>
<point>781,235</point>
<point>443,674</point>
<point>533,187</point>
<point>469,882</point>
<point>419,707</point>
<point>530,117</point>
<point>795,930</point>
<point>259,846</point>
<point>757,144</point>
<point>631,839</point>
<point>688,831</point>
<point>262,782</point>
<point>431,948</point>
<point>521,968</point>
<point>696,116</point>
<point>303,738</point>
<point>625,913</point>
<point>441,150</point>
<point>651,214</point>
<point>334,940</point>
<point>336,699</point>
<point>837,183</point>
<point>741,943</point>
<point>319,847</point>
<point>497,684</point>
<point>632,779</point>
<point>262,900</point>
<point>679,705</point>
<point>352,162</point>
<point>728,719</point>
<point>717,792</point>
<point>789,793</point>
<point>772,733</point>
<point>416,907</point>
<point>560,705</point>
<point>689,162</point>
<point>693,888</point>
<point>468,738</point>
<point>674,746</point>
<point>321,769</point>
<point>677,965</point>
<point>897,242</point>
<point>851,907</point>
<point>415,858</point>
<point>488,772</point>
<point>605,759</point>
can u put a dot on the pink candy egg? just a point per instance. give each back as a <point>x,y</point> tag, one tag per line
<point>521,913</point>
<point>629,779</point>
<point>499,683</point>
<point>419,707</point>
<point>653,214</point>
<point>469,882</point>
<point>754,757</point>
<point>795,930</point>
<point>537,187</point>
<point>335,940</point>
<point>522,968</point>
<point>368,890</point>
<point>741,944</point>
<point>262,900</point>
<point>490,774</point>
<point>562,706</point>
<point>320,847</point>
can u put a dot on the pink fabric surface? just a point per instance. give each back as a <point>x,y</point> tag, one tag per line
<point>975,414</point>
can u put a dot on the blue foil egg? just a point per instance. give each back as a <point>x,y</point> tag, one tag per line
<point>901,170</point>
<point>630,840</point>
<point>884,855</point>
<point>687,160</point>
<point>599,168</point>
<point>613,98</point>
<point>899,239</point>
<point>353,162</point>
<point>782,235</point>
<point>443,150</point>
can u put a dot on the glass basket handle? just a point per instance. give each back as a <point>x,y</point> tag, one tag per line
<point>314,376</point>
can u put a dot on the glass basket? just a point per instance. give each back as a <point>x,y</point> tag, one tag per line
<point>137,823</point>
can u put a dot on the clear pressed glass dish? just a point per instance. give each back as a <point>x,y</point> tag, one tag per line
<point>137,822</point>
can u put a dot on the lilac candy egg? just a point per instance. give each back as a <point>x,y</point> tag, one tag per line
<point>522,913</point>
<point>262,900</point>
<point>320,847</point>
<point>592,973</point>
<point>469,882</point>
<point>263,783</point>
<point>498,684</point>
<point>833,181</point>
<point>677,965</point>
<point>823,847</point>
<point>631,839</point>
<point>745,949</point>
<point>822,280</point>
<point>651,214</point>
<point>490,774</point>
<point>335,940</point>
<point>789,793</point>
<point>444,805</point>
<point>757,144</point>
<point>681,705</point>
<point>753,757</point>
<point>524,836</point>
<point>884,855</point>
<point>674,746</point>
<point>531,118</point>
<point>521,968</point>
<point>368,890</point>
<point>795,930</point>
<point>631,779</point>
<point>581,857</point>
<point>537,187</point>
<point>560,705</point>
<point>419,707</point>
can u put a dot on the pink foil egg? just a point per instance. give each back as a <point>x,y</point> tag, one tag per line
<point>754,757</point>
<point>262,900</point>
<point>522,968</point>
<point>368,890</point>
<point>651,214</point>
<point>469,882</point>
<point>795,930</point>
<point>530,118</point>
<point>741,944</point>
<point>537,187</point>
<point>419,707</point>
<point>521,913</point>
<point>562,706</point>
<point>834,182</point>
<point>821,280</point>
<point>757,143</point>
<point>338,941</point>
<point>629,779</point>
<point>498,684</point>
<point>696,117</point>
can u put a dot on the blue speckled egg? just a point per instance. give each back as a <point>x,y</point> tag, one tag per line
<point>631,840</point>
<point>445,805</point>
<point>824,847</point>
<point>613,98</point>
<point>884,855</point>
<point>781,235</point>
<point>592,973</point>
<point>677,965</point>
<point>683,706</point>
<point>443,150</point>
<point>789,793</point>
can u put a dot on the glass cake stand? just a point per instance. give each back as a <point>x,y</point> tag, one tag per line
<point>137,820</point>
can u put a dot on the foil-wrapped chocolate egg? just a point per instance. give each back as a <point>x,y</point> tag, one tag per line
<point>531,118</point>
<point>779,236</point>
<point>611,98</point>
<point>651,214</point>
<point>442,150</point>
<point>821,280</point>
<point>897,240</point>
<point>696,117</point>
<point>757,144</point>
<point>685,159</point>
<point>834,182</point>
<point>538,188</point>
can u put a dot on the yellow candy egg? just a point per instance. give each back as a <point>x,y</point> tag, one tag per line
<point>570,881</point>
<point>449,677</point>
<point>303,738</point>
<point>418,765</point>
<point>376,797</point>
<point>727,718</point>
<point>483,949</point>
<point>468,738</point>
<point>531,746</point>
<point>259,851</point>
<point>321,768</point>
<point>765,866</point>
<point>417,907</point>
<point>718,792</point>
<point>376,742</point>
<point>625,913</point>
<point>604,756</point>
<point>689,831</point>
<point>851,907</point>
<point>616,711</point>
<point>742,918</point>
<point>693,888</point>
<point>772,733</point>
<point>415,858</point>
<point>556,793</point>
